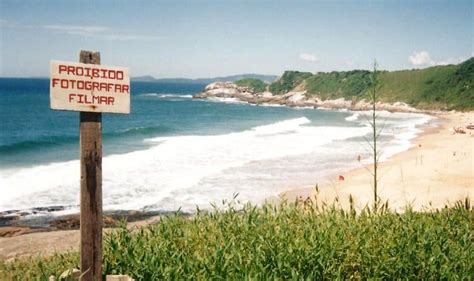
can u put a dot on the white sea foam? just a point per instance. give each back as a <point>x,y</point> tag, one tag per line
<point>292,125</point>
<point>270,105</point>
<point>403,127</point>
<point>182,96</point>
<point>353,117</point>
<point>225,100</point>
<point>175,96</point>
<point>303,107</point>
<point>185,171</point>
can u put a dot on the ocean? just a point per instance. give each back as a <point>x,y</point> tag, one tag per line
<point>175,152</point>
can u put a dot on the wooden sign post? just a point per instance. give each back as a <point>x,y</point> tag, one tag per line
<point>90,89</point>
<point>91,186</point>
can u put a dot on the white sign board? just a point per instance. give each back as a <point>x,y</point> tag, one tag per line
<point>89,87</point>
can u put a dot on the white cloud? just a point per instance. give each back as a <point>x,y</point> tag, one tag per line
<point>77,30</point>
<point>420,58</point>
<point>423,58</point>
<point>309,57</point>
<point>99,32</point>
<point>128,37</point>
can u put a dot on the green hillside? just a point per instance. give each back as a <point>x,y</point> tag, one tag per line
<point>338,84</point>
<point>255,84</point>
<point>450,87</point>
<point>288,81</point>
<point>438,87</point>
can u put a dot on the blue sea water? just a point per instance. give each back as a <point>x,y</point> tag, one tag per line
<point>174,151</point>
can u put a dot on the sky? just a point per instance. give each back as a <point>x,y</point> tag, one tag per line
<point>197,38</point>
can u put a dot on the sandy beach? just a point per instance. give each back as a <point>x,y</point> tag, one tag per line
<point>438,170</point>
<point>50,242</point>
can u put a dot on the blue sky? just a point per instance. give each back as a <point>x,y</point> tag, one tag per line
<point>215,38</point>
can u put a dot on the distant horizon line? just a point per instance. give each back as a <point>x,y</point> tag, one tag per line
<point>260,74</point>
<point>160,78</point>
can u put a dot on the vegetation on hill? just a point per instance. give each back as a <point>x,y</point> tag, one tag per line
<point>447,87</point>
<point>255,84</point>
<point>438,87</point>
<point>288,81</point>
<point>280,243</point>
<point>334,85</point>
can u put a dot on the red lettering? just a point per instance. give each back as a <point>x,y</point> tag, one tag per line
<point>103,99</point>
<point>104,73</point>
<point>95,72</point>
<point>80,71</point>
<point>110,101</point>
<point>64,84</point>
<point>86,100</point>
<point>55,81</point>
<point>71,69</point>
<point>96,99</point>
<point>95,86</point>
<point>125,88</point>
<point>71,97</point>
<point>88,70</point>
<point>119,75</point>
<point>62,68</point>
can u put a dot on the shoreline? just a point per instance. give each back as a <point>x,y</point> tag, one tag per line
<point>338,192</point>
<point>25,243</point>
<point>302,193</point>
<point>406,178</point>
<point>48,218</point>
<point>298,99</point>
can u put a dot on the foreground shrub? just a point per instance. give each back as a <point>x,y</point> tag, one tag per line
<point>284,242</point>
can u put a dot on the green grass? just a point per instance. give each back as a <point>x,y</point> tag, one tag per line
<point>255,84</point>
<point>38,268</point>
<point>438,87</point>
<point>282,243</point>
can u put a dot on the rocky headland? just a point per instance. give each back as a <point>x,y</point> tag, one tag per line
<point>293,99</point>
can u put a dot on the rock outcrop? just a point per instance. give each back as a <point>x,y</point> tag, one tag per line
<point>293,99</point>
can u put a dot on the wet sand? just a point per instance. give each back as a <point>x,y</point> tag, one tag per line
<point>437,171</point>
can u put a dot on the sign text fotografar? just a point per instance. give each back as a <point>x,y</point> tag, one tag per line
<point>90,88</point>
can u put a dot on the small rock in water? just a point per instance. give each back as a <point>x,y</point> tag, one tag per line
<point>7,220</point>
<point>73,222</point>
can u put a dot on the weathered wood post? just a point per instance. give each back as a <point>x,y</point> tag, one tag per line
<point>91,186</point>
<point>91,89</point>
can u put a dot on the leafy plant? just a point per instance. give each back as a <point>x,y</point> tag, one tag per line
<point>282,242</point>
